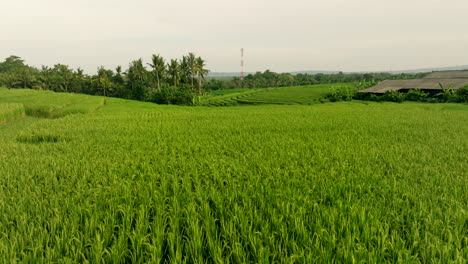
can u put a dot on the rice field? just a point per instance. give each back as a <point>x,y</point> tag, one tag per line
<point>310,94</point>
<point>132,182</point>
<point>48,104</point>
<point>10,112</point>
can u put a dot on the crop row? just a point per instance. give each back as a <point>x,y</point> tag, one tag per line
<point>233,98</point>
<point>280,95</point>
<point>138,183</point>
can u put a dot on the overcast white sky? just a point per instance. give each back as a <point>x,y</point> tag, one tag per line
<point>290,35</point>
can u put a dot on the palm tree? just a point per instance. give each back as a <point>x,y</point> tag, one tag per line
<point>136,71</point>
<point>136,75</point>
<point>185,70</point>
<point>104,79</point>
<point>201,72</point>
<point>191,60</point>
<point>174,70</point>
<point>159,67</point>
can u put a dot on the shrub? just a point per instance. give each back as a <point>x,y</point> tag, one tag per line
<point>447,94</point>
<point>461,95</point>
<point>172,95</point>
<point>393,96</point>
<point>343,93</point>
<point>416,95</point>
<point>375,98</point>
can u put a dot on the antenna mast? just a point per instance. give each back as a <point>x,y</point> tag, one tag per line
<point>242,64</point>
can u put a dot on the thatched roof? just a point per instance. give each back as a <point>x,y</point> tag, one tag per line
<point>456,79</point>
<point>448,75</point>
<point>423,84</point>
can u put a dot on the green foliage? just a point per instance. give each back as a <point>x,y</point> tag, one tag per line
<point>213,85</point>
<point>416,95</point>
<point>329,183</point>
<point>447,94</point>
<point>347,92</point>
<point>342,93</point>
<point>172,95</point>
<point>393,96</point>
<point>135,83</point>
<point>272,79</point>
<point>462,94</point>
<point>12,64</point>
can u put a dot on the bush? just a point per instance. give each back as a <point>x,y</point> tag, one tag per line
<point>375,98</point>
<point>416,95</point>
<point>393,96</point>
<point>343,93</point>
<point>172,95</point>
<point>461,95</point>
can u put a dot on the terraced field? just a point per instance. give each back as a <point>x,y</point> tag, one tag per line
<point>49,104</point>
<point>310,94</point>
<point>231,97</point>
<point>134,182</point>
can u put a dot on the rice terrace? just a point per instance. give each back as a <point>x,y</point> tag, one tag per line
<point>121,154</point>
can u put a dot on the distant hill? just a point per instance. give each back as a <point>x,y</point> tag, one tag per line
<point>223,75</point>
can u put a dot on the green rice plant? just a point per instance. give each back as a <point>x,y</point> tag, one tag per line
<point>11,111</point>
<point>229,97</point>
<point>291,95</point>
<point>324,183</point>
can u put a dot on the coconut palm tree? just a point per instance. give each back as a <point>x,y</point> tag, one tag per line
<point>185,70</point>
<point>159,68</point>
<point>174,71</point>
<point>191,60</point>
<point>136,71</point>
<point>201,72</point>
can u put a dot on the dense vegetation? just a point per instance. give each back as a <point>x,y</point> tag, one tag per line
<point>132,182</point>
<point>272,79</point>
<point>176,81</point>
<point>350,92</point>
<point>160,81</point>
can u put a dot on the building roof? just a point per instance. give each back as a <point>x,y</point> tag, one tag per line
<point>448,75</point>
<point>423,84</point>
<point>456,79</point>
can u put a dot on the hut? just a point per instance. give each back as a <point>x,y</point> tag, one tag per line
<point>431,83</point>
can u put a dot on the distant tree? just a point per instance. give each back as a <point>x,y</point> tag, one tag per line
<point>12,64</point>
<point>191,60</point>
<point>136,76</point>
<point>26,77</point>
<point>174,71</point>
<point>158,68</point>
<point>201,72</point>
<point>104,82</point>
<point>185,70</point>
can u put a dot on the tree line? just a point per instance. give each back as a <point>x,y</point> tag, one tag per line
<point>178,81</point>
<point>273,79</point>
